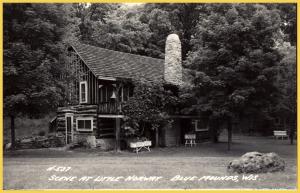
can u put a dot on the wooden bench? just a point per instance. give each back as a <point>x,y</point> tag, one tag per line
<point>280,134</point>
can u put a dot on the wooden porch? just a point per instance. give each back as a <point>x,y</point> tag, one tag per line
<point>109,108</point>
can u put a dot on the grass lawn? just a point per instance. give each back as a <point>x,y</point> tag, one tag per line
<point>27,169</point>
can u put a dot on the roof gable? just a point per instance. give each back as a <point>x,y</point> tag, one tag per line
<point>109,63</point>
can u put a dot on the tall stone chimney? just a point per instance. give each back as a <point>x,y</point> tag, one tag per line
<point>173,66</point>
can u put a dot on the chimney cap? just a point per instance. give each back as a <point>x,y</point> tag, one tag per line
<point>173,37</point>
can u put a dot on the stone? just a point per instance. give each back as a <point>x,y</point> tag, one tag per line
<point>173,60</point>
<point>8,146</point>
<point>255,162</point>
<point>91,141</point>
<point>106,144</point>
<point>27,140</point>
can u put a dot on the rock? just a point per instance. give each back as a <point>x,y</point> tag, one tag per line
<point>8,146</point>
<point>91,141</point>
<point>27,140</point>
<point>255,162</point>
<point>106,144</point>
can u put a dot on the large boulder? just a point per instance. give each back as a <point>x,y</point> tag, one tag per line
<point>255,162</point>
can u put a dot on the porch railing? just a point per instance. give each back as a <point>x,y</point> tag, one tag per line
<point>109,108</point>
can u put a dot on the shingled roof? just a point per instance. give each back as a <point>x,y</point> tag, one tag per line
<point>109,63</point>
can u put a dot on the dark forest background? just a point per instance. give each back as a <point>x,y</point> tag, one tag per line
<point>240,58</point>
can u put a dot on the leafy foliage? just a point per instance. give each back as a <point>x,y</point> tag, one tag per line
<point>148,107</point>
<point>32,45</point>
<point>286,79</point>
<point>234,61</point>
<point>238,55</point>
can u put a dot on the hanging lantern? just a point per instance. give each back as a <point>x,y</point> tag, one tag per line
<point>113,96</point>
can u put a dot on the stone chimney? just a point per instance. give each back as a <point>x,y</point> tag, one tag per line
<point>173,66</point>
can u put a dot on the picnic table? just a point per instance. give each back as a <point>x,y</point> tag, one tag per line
<point>139,145</point>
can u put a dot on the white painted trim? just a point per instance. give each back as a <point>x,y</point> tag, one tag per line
<point>83,119</point>
<point>122,94</point>
<point>111,116</point>
<point>72,122</point>
<point>106,78</point>
<point>196,126</point>
<point>86,92</point>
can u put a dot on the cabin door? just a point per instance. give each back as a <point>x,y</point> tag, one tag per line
<point>69,128</point>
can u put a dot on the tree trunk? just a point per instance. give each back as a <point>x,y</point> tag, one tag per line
<point>216,130</point>
<point>292,132</point>
<point>229,128</point>
<point>12,132</point>
<point>292,136</point>
<point>117,132</point>
<point>156,137</point>
<point>213,130</point>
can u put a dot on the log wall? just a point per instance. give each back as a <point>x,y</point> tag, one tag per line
<point>80,72</point>
<point>77,111</point>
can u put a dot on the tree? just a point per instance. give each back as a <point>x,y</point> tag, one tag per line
<point>286,83</point>
<point>288,25</point>
<point>148,107</point>
<point>86,16</point>
<point>32,46</point>
<point>166,18</point>
<point>234,61</point>
<point>139,30</point>
<point>122,31</point>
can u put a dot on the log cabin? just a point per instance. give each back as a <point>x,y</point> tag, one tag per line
<point>102,79</point>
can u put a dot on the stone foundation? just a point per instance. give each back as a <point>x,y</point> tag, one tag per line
<point>106,144</point>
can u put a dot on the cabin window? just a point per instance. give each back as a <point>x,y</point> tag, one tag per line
<point>83,92</point>
<point>84,124</point>
<point>200,125</point>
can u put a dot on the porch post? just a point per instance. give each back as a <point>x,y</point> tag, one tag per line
<point>12,132</point>
<point>117,147</point>
<point>229,129</point>
<point>118,121</point>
